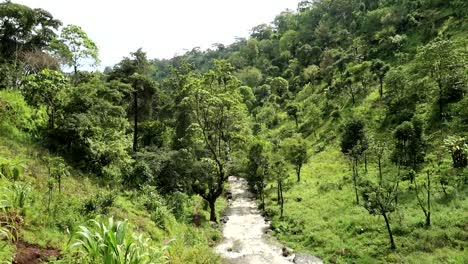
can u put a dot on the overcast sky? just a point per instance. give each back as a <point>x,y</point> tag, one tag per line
<point>162,28</point>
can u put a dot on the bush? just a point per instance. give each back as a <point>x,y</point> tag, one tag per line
<point>155,205</point>
<point>98,204</point>
<point>176,204</point>
<point>16,115</point>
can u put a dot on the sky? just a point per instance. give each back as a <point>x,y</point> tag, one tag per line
<point>163,28</point>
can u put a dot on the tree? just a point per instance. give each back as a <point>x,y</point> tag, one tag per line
<point>219,122</point>
<point>296,153</point>
<point>443,64</point>
<point>248,97</point>
<point>57,169</point>
<point>279,87</point>
<point>380,69</point>
<point>23,31</point>
<point>307,54</point>
<point>425,205</point>
<point>44,88</point>
<point>135,70</point>
<point>311,73</point>
<point>74,47</point>
<point>353,144</point>
<point>279,173</point>
<point>359,75</point>
<point>258,168</point>
<point>93,128</point>
<point>380,200</point>
<point>380,150</point>
<point>293,111</point>
<point>250,76</point>
<point>409,145</point>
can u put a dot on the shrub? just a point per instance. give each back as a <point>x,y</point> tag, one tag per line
<point>176,203</point>
<point>99,203</point>
<point>155,205</point>
<point>15,114</point>
<point>16,197</point>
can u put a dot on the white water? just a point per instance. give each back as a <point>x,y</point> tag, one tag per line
<point>245,240</point>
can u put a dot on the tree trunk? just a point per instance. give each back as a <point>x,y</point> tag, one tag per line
<point>365,163</point>
<point>262,193</point>
<point>392,243</point>
<point>51,115</point>
<point>297,123</point>
<point>280,185</point>
<point>278,192</point>
<point>427,212</point>
<point>135,120</point>
<point>60,183</point>
<point>298,171</point>
<point>428,215</point>
<point>440,100</point>
<point>212,210</point>
<point>381,88</point>
<point>380,170</point>
<point>196,215</point>
<point>355,176</point>
<point>75,74</point>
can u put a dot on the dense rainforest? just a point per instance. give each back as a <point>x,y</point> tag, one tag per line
<point>349,119</point>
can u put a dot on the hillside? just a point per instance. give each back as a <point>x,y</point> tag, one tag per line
<point>348,118</point>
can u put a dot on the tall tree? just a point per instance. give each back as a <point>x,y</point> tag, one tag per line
<point>44,89</point>
<point>380,200</point>
<point>280,174</point>
<point>445,65</point>
<point>295,149</point>
<point>23,31</point>
<point>409,145</point>
<point>220,122</point>
<point>380,69</point>
<point>258,168</point>
<point>135,70</point>
<point>75,47</point>
<point>353,144</point>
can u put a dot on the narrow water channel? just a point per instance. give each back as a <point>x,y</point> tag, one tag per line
<point>245,240</point>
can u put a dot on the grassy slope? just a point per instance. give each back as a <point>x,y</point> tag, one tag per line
<point>327,222</point>
<point>188,244</point>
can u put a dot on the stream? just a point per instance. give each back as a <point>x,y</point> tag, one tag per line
<point>245,239</point>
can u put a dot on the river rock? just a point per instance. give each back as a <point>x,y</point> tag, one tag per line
<point>286,251</point>
<point>306,259</point>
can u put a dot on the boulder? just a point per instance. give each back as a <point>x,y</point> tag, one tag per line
<point>306,259</point>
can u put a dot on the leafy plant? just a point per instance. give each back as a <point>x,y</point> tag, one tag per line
<point>458,150</point>
<point>17,196</point>
<point>113,243</point>
<point>12,170</point>
<point>7,229</point>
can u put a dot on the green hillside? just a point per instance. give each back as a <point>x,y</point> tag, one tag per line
<point>348,118</point>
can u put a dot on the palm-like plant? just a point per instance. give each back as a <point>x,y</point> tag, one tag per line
<point>16,196</point>
<point>5,227</point>
<point>113,243</point>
